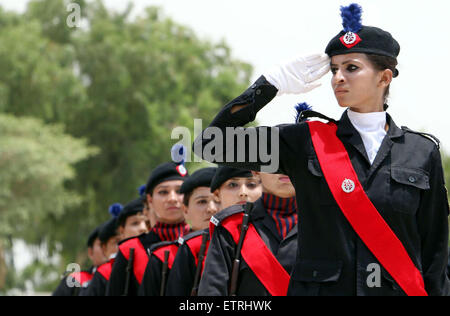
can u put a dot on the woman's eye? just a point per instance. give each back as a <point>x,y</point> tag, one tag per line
<point>202,202</point>
<point>333,71</point>
<point>233,185</point>
<point>163,192</point>
<point>252,185</point>
<point>352,68</point>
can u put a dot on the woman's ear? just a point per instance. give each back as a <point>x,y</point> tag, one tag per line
<point>104,249</point>
<point>386,77</point>
<point>121,230</point>
<point>216,196</point>
<point>185,209</point>
<point>149,200</point>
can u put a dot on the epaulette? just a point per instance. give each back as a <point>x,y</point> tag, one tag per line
<point>189,236</point>
<point>426,135</point>
<point>161,244</point>
<point>227,212</point>
<point>304,115</point>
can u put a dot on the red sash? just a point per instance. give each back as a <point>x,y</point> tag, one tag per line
<point>140,257</point>
<point>359,210</point>
<point>258,257</point>
<point>105,269</point>
<point>159,253</point>
<point>194,245</point>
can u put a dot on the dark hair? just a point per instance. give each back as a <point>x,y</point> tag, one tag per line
<point>381,63</point>
<point>187,197</point>
<point>123,220</point>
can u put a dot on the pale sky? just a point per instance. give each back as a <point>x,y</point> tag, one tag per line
<point>266,32</point>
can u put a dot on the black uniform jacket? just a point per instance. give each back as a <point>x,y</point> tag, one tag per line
<point>222,251</point>
<point>152,280</point>
<point>405,183</point>
<point>97,286</point>
<point>182,274</point>
<point>117,281</point>
<point>83,279</point>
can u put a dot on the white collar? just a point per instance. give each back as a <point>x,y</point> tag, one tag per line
<point>367,122</point>
<point>371,128</point>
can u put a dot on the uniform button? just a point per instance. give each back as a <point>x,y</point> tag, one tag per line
<point>258,92</point>
<point>315,273</point>
<point>412,179</point>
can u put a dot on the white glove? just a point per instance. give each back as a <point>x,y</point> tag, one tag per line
<point>299,75</point>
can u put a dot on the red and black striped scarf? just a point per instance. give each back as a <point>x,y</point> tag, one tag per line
<point>169,232</point>
<point>283,212</point>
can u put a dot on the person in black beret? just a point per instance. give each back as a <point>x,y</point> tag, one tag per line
<point>150,217</point>
<point>164,198</point>
<point>232,186</point>
<point>82,278</point>
<point>109,238</point>
<point>131,220</point>
<point>200,205</point>
<point>274,218</point>
<point>95,252</point>
<point>374,210</point>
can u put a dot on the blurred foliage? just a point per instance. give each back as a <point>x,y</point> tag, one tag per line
<point>120,83</point>
<point>36,161</point>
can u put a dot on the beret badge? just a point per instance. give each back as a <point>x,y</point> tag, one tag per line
<point>181,170</point>
<point>351,21</point>
<point>350,39</point>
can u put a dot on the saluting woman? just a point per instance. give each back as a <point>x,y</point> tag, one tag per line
<point>372,202</point>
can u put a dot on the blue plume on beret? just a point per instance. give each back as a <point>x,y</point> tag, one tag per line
<point>115,209</point>
<point>178,153</point>
<point>300,107</point>
<point>141,190</point>
<point>351,18</point>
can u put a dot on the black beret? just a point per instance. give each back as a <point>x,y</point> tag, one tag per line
<point>224,173</point>
<point>93,236</point>
<point>373,40</point>
<point>165,172</point>
<point>200,178</point>
<point>130,209</point>
<point>357,38</point>
<point>108,230</point>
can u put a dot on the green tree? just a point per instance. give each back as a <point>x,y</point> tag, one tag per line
<point>120,83</point>
<point>36,161</point>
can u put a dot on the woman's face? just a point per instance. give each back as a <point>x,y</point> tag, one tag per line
<point>202,206</point>
<point>239,191</point>
<point>357,84</point>
<point>111,246</point>
<point>96,254</point>
<point>134,226</point>
<point>277,184</point>
<point>167,202</point>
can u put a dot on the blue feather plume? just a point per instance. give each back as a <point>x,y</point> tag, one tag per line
<point>178,153</point>
<point>141,190</point>
<point>115,209</point>
<point>300,107</point>
<point>351,18</point>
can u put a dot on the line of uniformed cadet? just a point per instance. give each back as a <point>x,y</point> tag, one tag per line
<point>165,242</point>
<point>187,235</point>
